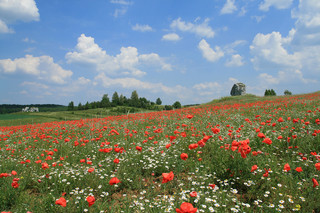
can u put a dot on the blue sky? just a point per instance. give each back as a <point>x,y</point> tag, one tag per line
<point>192,51</point>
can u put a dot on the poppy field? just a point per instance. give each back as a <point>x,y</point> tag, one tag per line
<point>261,156</point>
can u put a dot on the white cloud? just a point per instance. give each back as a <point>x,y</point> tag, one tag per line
<point>34,85</point>
<point>171,37</point>
<point>269,50</point>
<point>125,63</point>
<point>4,28</point>
<point>229,7</point>
<point>122,2</point>
<point>42,67</point>
<point>235,61</point>
<point>17,10</point>
<point>202,30</point>
<point>278,4</point>
<point>133,83</point>
<point>208,53</point>
<point>258,18</point>
<point>292,76</point>
<point>142,28</point>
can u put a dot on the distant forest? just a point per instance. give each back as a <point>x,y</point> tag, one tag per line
<point>120,100</point>
<point>11,108</point>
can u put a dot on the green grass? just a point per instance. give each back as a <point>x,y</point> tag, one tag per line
<point>71,148</point>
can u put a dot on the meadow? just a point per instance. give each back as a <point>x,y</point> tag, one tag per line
<point>230,155</point>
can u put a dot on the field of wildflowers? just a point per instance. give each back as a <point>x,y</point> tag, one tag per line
<point>237,157</point>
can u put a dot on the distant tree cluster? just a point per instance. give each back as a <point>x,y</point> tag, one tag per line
<point>270,92</point>
<point>116,100</point>
<point>287,92</point>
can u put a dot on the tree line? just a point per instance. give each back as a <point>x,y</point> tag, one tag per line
<point>121,100</point>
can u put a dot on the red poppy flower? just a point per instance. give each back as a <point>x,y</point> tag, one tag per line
<point>184,156</point>
<point>299,169</point>
<point>167,177</point>
<point>286,167</point>
<point>317,165</point>
<point>254,168</point>
<point>186,208</point>
<point>62,202</point>
<point>261,135</point>
<point>315,182</point>
<point>116,161</point>
<point>189,116</point>
<point>168,145</point>
<point>90,170</point>
<point>113,181</point>
<point>139,148</point>
<point>91,200</point>
<point>14,172</point>
<point>193,194</point>
<point>45,166</point>
<point>193,146</point>
<point>212,185</point>
<point>267,141</point>
<point>15,184</point>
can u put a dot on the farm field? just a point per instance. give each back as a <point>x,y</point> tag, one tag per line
<point>231,155</point>
<point>25,118</point>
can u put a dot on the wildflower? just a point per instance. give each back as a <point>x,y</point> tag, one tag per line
<point>286,167</point>
<point>139,148</point>
<point>116,161</point>
<point>113,181</point>
<point>167,177</point>
<point>90,170</point>
<point>62,202</point>
<point>315,182</point>
<point>254,168</point>
<point>91,200</point>
<point>184,156</point>
<point>317,165</point>
<point>193,194</point>
<point>186,208</point>
<point>44,166</point>
<point>299,169</point>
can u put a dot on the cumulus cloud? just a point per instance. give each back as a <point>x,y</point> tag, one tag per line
<point>17,10</point>
<point>133,83</point>
<point>293,76</point>
<point>235,61</point>
<point>229,7</point>
<point>269,50</point>
<point>171,37</point>
<point>202,30</point>
<point>208,53</point>
<point>42,67</point>
<point>278,4</point>
<point>142,28</point>
<point>4,28</point>
<point>125,63</point>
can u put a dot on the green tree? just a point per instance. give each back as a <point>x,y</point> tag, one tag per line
<point>121,100</point>
<point>105,102</point>
<point>115,99</point>
<point>176,105</point>
<point>80,107</point>
<point>71,106</point>
<point>273,93</point>
<point>168,107</point>
<point>287,92</point>
<point>158,101</point>
<point>134,100</point>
